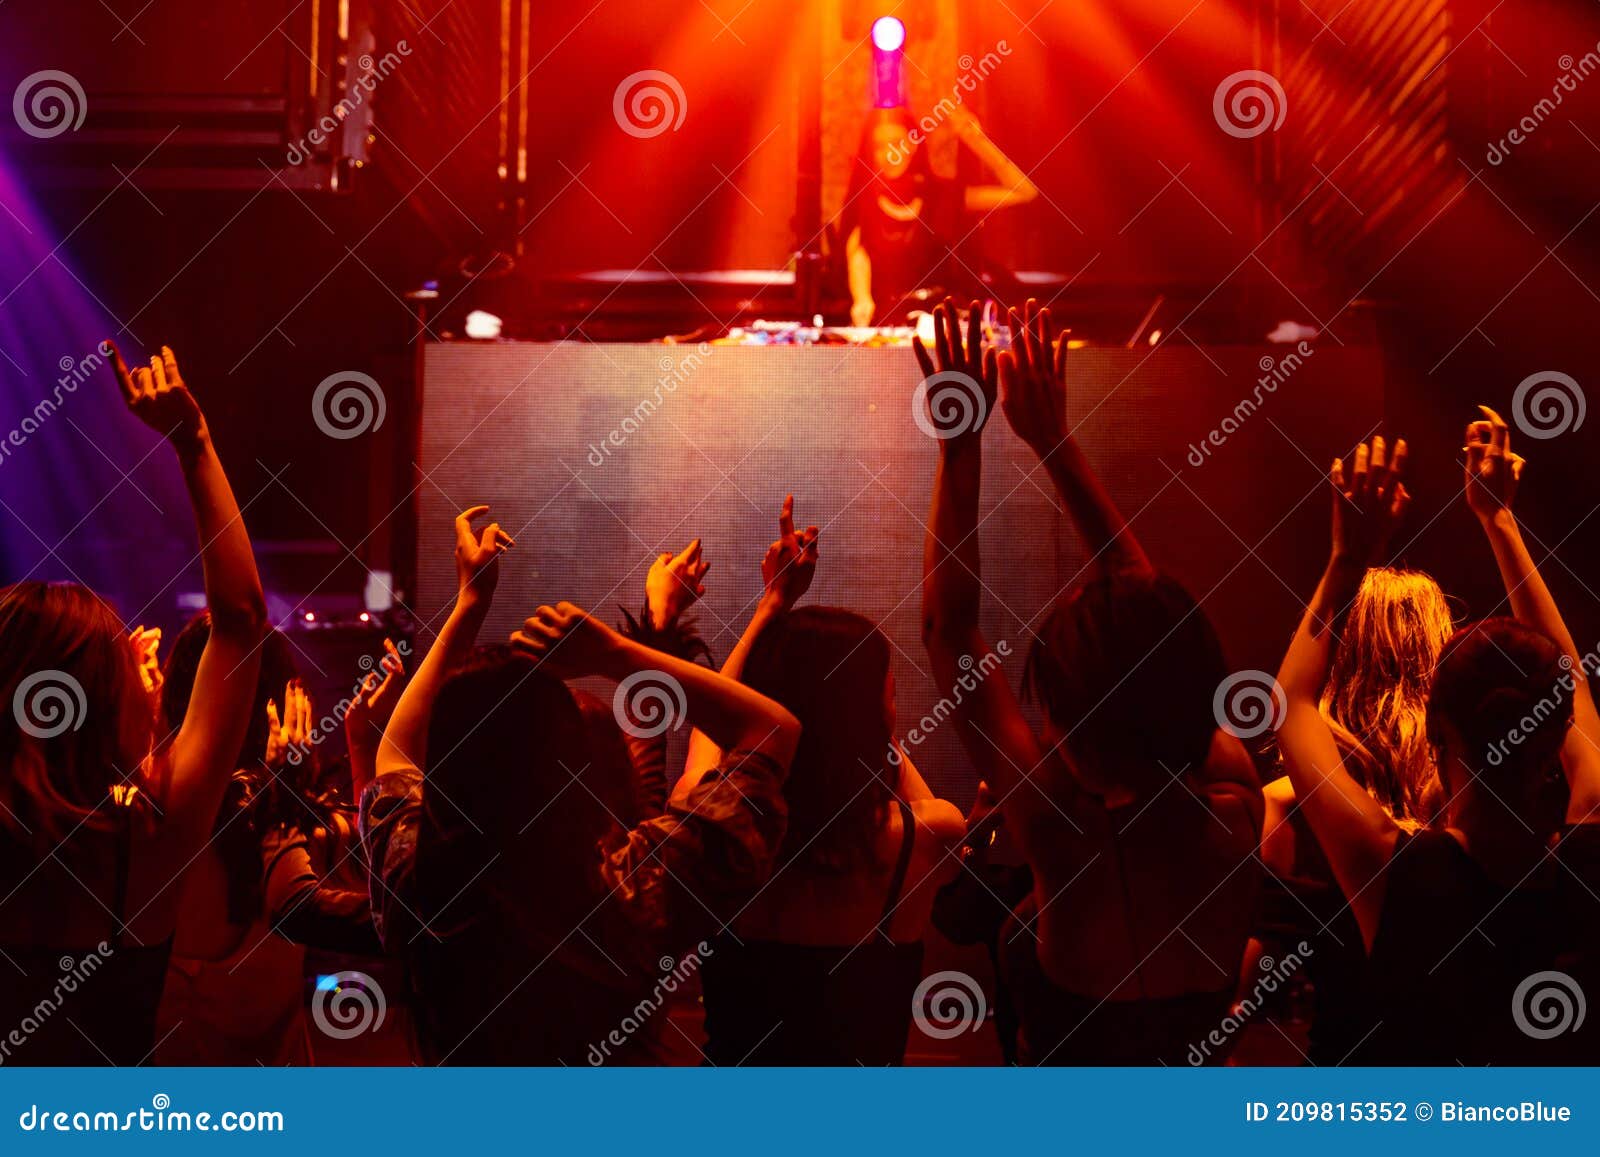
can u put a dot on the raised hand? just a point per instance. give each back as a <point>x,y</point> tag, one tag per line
<point>478,558</point>
<point>791,562</point>
<point>1033,375</point>
<point>674,583</point>
<point>289,732</point>
<point>158,397</point>
<point>567,641</point>
<point>146,643</point>
<point>369,713</point>
<point>1369,497</point>
<point>960,394</point>
<point>1492,470</point>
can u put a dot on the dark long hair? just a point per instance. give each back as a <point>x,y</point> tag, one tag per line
<point>1127,667</point>
<point>1506,690</point>
<point>829,667</point>
<point>68,669</point>
<point>505,745</point>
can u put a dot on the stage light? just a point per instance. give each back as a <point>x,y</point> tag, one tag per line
<point>888,34</point>
<point>311,616</point>
<point>365,618</point>
<point>482,325</point>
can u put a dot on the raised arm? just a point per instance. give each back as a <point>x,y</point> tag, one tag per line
<point>405,740</point>
<point>786,573</point>
<point>1033,393</point>
<point>1011,186</point>
<point>1356,834</point>
<point>192,777</point>
<point>990,722</point>
<point>368,716</point>
<point>1492,473</point>
<point>570,643</point>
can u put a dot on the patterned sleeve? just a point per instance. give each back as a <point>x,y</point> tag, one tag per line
<point>308,908</point>
<point>391,815</point>
<point>681,876</point>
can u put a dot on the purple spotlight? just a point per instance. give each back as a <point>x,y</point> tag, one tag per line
<point>888,34</point>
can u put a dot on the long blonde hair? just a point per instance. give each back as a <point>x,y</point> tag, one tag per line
<point>1376,697</point>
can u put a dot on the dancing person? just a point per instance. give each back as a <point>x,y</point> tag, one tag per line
<point>97,822</point>
<point>540,929</point>
<point>265,886</point>
<point>902,222</point>
<point>1375,704</point>
<point>1128,949</point>
<point>821,966</point>
<point>1459,919</point>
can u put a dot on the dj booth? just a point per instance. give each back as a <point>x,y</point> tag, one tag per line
<point>598,457</point>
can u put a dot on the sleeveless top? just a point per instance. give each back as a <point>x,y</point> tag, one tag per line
<point>1467,971</point>
<point>84,1004</point>
<point>772,1003</point>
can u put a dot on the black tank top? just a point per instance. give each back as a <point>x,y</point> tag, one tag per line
<point>772,1003</point>
<point>85,1004</point>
